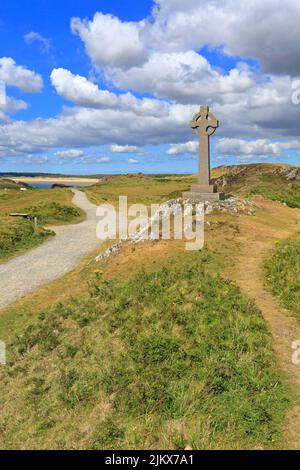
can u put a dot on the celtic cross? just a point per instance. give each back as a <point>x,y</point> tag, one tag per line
<point>204,124</point>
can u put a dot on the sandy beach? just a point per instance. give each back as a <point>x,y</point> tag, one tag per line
<point>59,180</point>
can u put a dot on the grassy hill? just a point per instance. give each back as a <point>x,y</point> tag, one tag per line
<point>156,347</point>
<point>49,206</point>
<point>277,182</point>
<point>170,358</point>
<point>283,274</point>
<point>7,183</point>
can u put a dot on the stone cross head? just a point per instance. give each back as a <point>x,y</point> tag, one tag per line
<point>204,123</point>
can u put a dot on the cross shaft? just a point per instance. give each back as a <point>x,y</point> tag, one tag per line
<point>205,124</point>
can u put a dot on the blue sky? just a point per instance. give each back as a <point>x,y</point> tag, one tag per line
<point>110,86</point>
<point>52,18</point>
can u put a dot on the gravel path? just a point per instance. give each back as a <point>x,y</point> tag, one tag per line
<point>53,258</point>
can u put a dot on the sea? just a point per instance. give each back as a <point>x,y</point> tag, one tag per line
<point>48,184</point>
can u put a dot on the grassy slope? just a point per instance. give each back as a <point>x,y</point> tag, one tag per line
<point>260,179</point>
<point>18,235</point>
<point>49,206</point>
<point>8,184</point>
<point>250,180</point>
<point>171,357</point>
<point>224,375</point>
<point>79,410</point>
<point>139,189</point>
<point>283,274</point>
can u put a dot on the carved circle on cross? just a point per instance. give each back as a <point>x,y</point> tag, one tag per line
<point>204,123</point>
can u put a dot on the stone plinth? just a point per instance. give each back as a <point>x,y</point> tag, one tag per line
<point>199,196</point>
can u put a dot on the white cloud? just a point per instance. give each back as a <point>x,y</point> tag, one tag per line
<point>245,29</point>
<point>163,51</point>
<point>143,106</point>
<point>172,68</point>
<point>124,149</point>
<point>111,41</point>
<point>188,147</point>
<point>35,160</point>
<point>78,157</point>
<point>2,93</point>
<point>71,153</point>
<point>80,90</point>
<point>84,127</point>
<point>66,157</point>
<point>19,76</point>
<point>184,77</point>
<point>132,161</point>
<point>83,92</point>
<point>79,128</point>
<point>12,105</point>
<point>93,159</point>
<point>251,149</point>
<point>33,36</point>
<point>8,104</point>
<point>103,160</point>
<point>268,106</point>
<point>242,149</point>
<point>165,7</point>
<point>160,58</point>
<point>3,118</point>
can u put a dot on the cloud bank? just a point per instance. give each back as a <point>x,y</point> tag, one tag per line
<point>152,75</point>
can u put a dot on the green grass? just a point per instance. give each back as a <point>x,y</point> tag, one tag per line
<point>283,274</point>
<point>262,180</point>
<point>54,212</point>
<point>168,358</point>
<point>8,184</point>
<point>289,195</point>
<point>17,235</point>
<point>249,180</point>
<point>172,357</point>
<point>49,206</point>
<point>143,189</point>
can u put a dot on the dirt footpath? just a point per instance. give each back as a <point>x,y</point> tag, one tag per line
<point>256,241</point>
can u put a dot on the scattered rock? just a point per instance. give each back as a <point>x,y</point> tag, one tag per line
<point>232,205</point>
<point>225,180</point>
<point>214,225</point>
<point>290,174</point>
<point>236,174</point>
<point>110,251</point>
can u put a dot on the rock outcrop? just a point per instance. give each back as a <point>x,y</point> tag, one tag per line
<point>231,205</point>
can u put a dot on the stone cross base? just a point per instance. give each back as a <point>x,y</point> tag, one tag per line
<point>202,193</point>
